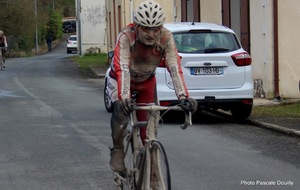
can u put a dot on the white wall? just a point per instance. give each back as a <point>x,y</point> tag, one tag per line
<point>210,11</point>
<point>261,39</point>
<point>289,40</point>
<point>262,46</point>
<point>93,25</point>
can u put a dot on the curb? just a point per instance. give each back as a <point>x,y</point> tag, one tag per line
<point>99,71</point>
<point>269,126</point>
<point>275,127</point>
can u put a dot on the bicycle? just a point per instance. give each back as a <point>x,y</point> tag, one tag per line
<point>147,166</point>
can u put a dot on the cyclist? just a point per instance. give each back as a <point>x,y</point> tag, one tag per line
<point>141,46</point>
<point>49,42</point>
<point>3,43</point>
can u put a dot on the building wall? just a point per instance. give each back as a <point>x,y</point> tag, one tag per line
<point>262,46</point>
<point>92,33</point>
<point>210,11</point>
<point>289,40</point>
<point>261,39</point>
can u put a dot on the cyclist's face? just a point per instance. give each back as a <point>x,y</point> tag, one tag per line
<point>148,35</point>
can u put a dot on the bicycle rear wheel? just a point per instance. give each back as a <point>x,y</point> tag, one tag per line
<point>156,172</point>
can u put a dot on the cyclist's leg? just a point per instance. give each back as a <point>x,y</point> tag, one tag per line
<point>118,128</point>
<point>118,123</point>
<point>3,58</point>
<point>147,94</point>
<point>3,55</point>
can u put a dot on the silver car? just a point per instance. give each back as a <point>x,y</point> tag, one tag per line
<point>217,70</point>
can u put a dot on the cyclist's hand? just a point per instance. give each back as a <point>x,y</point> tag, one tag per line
<point>126,106</point>
<point>189,104</point>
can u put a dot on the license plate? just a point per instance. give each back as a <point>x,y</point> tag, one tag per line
<point>207,70</point>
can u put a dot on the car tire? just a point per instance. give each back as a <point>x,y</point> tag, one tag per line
<point>241,111</point>
<point>68,51</point>
<point>107,101</point>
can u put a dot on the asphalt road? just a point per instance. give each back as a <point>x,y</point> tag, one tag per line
<point>55,134</point>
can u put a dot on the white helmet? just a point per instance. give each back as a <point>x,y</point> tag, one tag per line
<point>149,14</point>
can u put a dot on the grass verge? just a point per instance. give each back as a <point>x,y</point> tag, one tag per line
<point>84,63</point>
<point>290,109</point>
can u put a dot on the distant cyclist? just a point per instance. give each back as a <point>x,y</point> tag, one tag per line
<point>3,43</point>
<point>140,48</point>
<point>49,42</point>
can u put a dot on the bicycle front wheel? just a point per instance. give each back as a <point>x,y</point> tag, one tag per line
<point>156,174</point>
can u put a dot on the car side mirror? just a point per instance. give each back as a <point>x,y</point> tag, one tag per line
<point>110,54</point>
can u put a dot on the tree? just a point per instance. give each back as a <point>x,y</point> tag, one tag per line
<point>18,20</point>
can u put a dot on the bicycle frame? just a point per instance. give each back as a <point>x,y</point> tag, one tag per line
<point>139,175</point>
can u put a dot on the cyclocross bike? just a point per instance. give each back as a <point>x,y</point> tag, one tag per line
<point>147,166</point>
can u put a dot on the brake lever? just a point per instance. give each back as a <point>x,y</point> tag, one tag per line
<point>187,121</point>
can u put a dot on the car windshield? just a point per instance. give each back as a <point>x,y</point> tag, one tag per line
<point>205,42</point>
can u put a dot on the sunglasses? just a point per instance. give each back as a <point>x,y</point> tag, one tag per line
<point>148,29</point>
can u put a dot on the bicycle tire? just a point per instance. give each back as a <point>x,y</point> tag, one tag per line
<point>107,102</point>
<point>156,170</point>
<point>125,180</point>
<point>132,164</point>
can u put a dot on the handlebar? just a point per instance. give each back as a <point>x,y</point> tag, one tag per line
<point>153,107</point>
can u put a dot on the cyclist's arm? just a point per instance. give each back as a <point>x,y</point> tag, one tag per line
<point>121,66</point>
<point>5,42</point>
<point>4,48</point>
<point>174,67</point>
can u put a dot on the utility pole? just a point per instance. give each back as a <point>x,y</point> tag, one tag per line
<point>36,28</point>
<point>79,31</point>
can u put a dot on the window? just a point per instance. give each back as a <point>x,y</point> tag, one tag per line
<point>202,42</point>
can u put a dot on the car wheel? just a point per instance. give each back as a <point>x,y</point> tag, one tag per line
<point>107,101</point>
<point>241,111</point>
<point>68,51</point>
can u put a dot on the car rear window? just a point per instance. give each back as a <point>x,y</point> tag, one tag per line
<point>73,38</point>
<point>205,42</point>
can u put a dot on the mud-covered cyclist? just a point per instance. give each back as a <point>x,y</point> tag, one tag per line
<point>3,46</point>
<point>140,48</point>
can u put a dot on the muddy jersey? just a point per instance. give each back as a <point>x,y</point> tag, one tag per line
<point>3,42</point>
<point>135,62</point>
